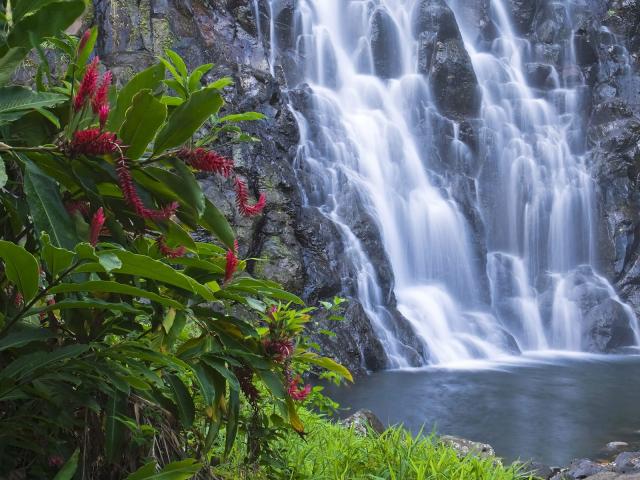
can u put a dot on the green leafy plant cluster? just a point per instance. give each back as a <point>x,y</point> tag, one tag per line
<point>126,346</point>
<point>337,452</point>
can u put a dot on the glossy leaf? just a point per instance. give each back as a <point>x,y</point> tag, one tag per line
<point>182,470</point>
<point>47,209</point>
<point>21,269</point>
<point>232,420</point>
<point>46,21</point>
<point>146,267</point>
<point>20,338</point>
<point>102,286</point>
<point>216,223</point>
<point>56,259</point>
<point>17,98</point>
<point>142,121</point>
<point>151,79</point>
<point>186,407</point>
<point>187,119</point>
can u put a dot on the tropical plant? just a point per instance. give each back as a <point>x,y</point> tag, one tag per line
<point>122,338</point>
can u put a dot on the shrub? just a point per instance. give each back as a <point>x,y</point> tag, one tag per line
<point>123,339</point>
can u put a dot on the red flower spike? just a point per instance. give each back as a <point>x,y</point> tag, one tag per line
<point>97,222</point>
<point>169,252</point>
<point>206,161</point>
<point>242,200</point>
<point>93,142</point>
<point>100,98</point>
<point>131,196</point>
<point>103,115</point>
<point>297,393</point>
<point>56,461</point>
<point>232,262</point>
<point>88,85</point>
<point>84,39</point>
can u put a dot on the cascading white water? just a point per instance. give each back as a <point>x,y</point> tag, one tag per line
<point>535,195</point>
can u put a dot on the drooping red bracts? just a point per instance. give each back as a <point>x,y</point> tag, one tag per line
<point>100,98</point>
<point>232,262</point>
<point>18,300</point>
<point>245,379</point>
<point>97,222</point>
<point>280,350</point>
<point>131,196</point>
<point>103,115</point>
<point>92,141</point>
<point>88,85</point>
<point>296,392</point>
<point>242,200</point>
<point>206,161</point>
<point>169,252</point>
<point>79,206</point>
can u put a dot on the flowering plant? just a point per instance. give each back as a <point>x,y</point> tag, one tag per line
<point>121,337</point>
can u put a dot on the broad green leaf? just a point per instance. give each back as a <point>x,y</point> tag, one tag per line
<point>114,429</point>
<point>21,268</point>
<point>273,382</point>
<point>55,121</point>
<point>146,267</point>
<point>20,8</point>
<point>68,470</point>
<point>56,259</point>
<point>87,303</point>
<point>178,62</point>
<point>186,407</point>
<point>327,364</point>
<point>207,386</point>
<point>219,367</point>
<point>24,365</point>
<point>294,419</point>
<point>142,121</point>
<point>233,415</point>
<point>186,119</point>
<point>24,337</point>
<point>103,286</point>
<point>191,190</point>
<point>242,117</point>
<point>182,470</point>
<point>151,78</point>
<point>109,262</point>
<point>3,174</point>
<point>47,209</point>
<point>214,221</point>
<point>262,287</point>
<point>47,21</point>
<point>17,98</point>
<point>196,76</point>
<point>221,83</point>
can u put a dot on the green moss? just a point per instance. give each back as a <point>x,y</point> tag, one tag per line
<point>162,36</point>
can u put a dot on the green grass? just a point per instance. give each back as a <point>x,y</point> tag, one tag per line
<point>333,452</point>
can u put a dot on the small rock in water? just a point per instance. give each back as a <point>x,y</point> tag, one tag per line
<point>617,445</point>
<point>362,420</point>
<point>466,447</point>
<point>539,470</point>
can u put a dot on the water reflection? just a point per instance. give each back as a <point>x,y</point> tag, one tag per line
<point>549,409</point>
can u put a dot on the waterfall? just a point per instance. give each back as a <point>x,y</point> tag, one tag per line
<point>373,140</point>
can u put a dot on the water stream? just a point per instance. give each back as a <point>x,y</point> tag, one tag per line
<point>520,282</point>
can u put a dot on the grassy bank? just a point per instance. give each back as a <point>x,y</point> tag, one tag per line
<point>334,452</point>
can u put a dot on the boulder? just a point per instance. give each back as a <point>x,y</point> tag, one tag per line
<point>464,447</point>
<point>522,13</point>
<point>627,462</point>
<point>363,422</point>
<point>385,44</point>
<point>607,327</point>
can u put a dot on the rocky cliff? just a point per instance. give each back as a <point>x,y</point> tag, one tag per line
<point>300,247</point>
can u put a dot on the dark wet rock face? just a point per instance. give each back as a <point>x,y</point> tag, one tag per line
<point>304,250</point>
<point>442,56</point>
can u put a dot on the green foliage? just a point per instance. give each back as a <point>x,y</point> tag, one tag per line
<point>335,452</point>
<point>124,343</point>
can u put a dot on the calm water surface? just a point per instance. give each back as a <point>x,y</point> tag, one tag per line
<point>550,408</point>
